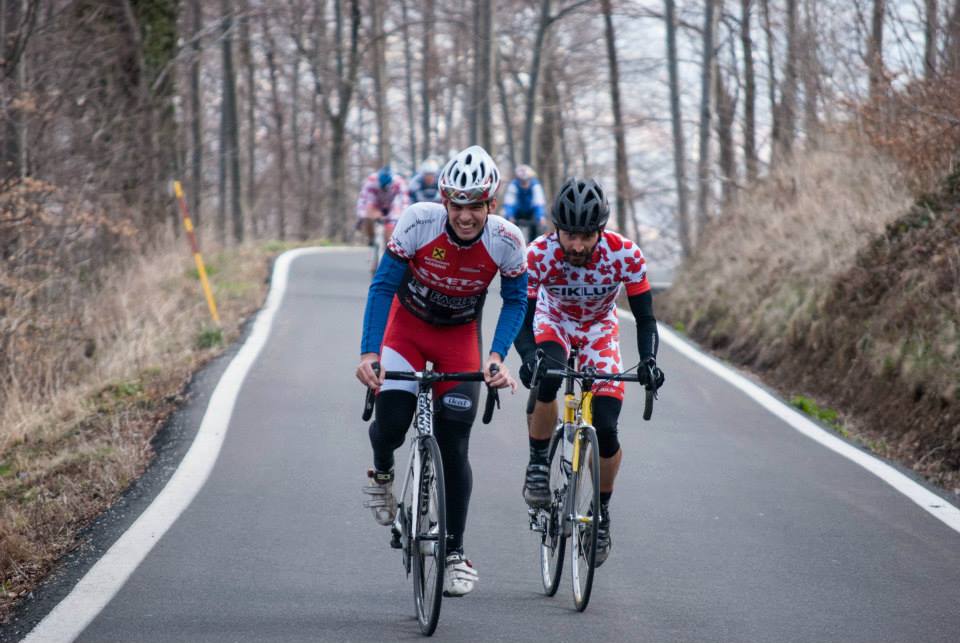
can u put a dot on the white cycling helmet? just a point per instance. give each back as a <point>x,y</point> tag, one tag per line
<point>470,177</point>
<point>429,166</point>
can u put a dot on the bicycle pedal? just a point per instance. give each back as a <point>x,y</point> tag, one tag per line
<point>395,540</point>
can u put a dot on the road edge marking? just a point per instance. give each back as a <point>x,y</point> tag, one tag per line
<point>927,500</point>
<point>67,620</point>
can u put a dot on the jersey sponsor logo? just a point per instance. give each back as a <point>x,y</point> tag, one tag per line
<point>453,303</point>
<point>457,402</point>
<point>439,253</point>
<point>587,292</point>
<point>452,283</point>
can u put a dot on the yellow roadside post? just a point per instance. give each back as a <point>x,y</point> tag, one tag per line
<point>195,248</point>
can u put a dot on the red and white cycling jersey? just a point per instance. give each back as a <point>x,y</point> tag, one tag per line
<point>576,306</point>
<point>446,281</point>
<point>391,201</point>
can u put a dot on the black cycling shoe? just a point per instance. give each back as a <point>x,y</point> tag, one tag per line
<point>536,485</point>
<point>604,541</point>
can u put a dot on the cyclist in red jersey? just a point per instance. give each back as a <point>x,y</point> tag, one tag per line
<point>574,279</point>
<point>424,304</point>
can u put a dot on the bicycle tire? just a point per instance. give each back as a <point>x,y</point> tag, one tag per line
<point>586,523</point>
<point>430,538</point>
<point>552,540</point>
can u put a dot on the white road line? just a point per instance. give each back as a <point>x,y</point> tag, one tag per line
<point>99,585</point>
<point>929,501</point>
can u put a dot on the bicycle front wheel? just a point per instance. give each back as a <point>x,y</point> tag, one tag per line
<point>552,540</point>
<point>429,538</point>
<point>586,516</point>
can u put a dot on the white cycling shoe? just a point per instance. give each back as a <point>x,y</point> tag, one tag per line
<point>460,576</point>
<point>381,502</point>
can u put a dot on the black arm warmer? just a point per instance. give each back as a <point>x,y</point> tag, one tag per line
<point>648,341</point>
<point>524,342</point>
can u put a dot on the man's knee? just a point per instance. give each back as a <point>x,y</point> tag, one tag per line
<point>606,412</point>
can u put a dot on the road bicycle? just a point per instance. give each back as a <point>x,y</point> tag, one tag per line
<point>420,529</point>
<point>573,512</point>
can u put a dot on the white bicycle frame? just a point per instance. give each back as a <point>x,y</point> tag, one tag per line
<point>424,426</point>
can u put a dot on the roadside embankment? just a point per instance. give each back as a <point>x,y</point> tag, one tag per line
<point>835,286</point>
<point>109,367</point>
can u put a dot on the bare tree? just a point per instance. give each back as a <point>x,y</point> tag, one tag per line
<point>229,134</point>
<point>546,21</point>
<point>623,175</point>
<point>505,110</point>
<point>875,50</point>
<point>930,29</point>
<point>408,83</point>
<point>710,15</point>
<point>378,39</point>
<point>196,114</point>
<point>246,56</point>
<point>810,75</point>
<point>783,145</point>
<point>749,92</point>
<point>679,145</point>
<point>426,74</point>
<point>775,116</point>
<point>278,110</point>
<point>951,63</point>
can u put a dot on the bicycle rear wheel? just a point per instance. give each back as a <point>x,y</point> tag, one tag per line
<point>429,538</point>
<point>586,519</point>
<point>552,540</point>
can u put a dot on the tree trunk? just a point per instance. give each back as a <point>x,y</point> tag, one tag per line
<point>619,138</point>
<point>231,138</point>
<point>196,117</point>
<point>246,55</point>
<point>281,150</point>
<point>952,54</point>
<point>547,152</point>
<point>930,29</point>
<point>726,113</point>
<point>749,93</point>
<point>531,104</point>
<point>485,52</point>
<point>408,80</point>
<point>679,155</point>
<point>505,109</point>
<point>810,74</point>
<point>380,82</point>
<point>706,85</point>
<point>426,74</point>
<point>775,126</point>
<point>875,51</point>
<point>788,104</point>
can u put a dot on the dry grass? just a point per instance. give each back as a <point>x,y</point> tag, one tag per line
<point>72,440</point>
<point>832,282</point>
<point>766,262</point>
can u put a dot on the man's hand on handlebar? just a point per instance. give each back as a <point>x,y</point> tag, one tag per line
<point>658,376</point>
<point>502,378</point>
<point>365,373</point>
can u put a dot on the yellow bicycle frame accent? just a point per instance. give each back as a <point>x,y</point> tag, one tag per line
<point>570,417</point>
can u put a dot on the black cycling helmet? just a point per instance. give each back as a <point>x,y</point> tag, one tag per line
<point>580,206</point>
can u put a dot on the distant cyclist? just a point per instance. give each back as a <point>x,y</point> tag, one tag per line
<point>424,304</point>
<point>423,186</point>
<point>524,202</point>
<point>383,197</point>
<point>575,275</point>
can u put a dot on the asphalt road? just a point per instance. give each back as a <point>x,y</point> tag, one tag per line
<point>728,525</point>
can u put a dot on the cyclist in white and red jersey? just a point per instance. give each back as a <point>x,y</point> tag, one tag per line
<point>575,277</point>
<point>383,196</point>
<point>424,304</point>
